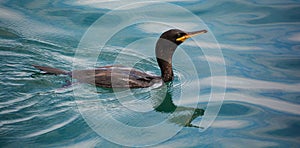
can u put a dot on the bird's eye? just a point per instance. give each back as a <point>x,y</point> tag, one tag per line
<point>179,35</point>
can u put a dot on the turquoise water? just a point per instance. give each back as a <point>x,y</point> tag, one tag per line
<point>259,41</point>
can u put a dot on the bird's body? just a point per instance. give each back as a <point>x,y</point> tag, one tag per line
<point>109,76</point>
<point>116,77</point>
<point>124,77</point>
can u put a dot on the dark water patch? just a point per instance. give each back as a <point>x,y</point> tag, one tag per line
<point>279,16</point>
<point>289,131</point>
<point>8,34</point>
<point>233,109</point>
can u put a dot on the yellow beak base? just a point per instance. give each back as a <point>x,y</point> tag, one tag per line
<point>189,35</point>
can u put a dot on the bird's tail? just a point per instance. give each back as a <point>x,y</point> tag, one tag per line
<point>51,70</point>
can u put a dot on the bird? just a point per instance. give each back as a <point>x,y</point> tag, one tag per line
<point>117,76</point>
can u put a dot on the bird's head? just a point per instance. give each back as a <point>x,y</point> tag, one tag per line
<point>178,36</point>
<point>166,46</point>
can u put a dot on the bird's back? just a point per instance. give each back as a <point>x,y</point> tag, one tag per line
<point>116,77</point>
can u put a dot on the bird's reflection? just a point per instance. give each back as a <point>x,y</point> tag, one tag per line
<point>179,115</point>
<point>160,100</point>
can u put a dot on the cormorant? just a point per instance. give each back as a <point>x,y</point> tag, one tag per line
<point>123,77</point>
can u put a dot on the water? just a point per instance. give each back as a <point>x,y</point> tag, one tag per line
<point>259,42</point>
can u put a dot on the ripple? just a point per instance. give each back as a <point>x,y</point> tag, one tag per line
<point>250,84</point>
<point>8,34</point>
<point>242,142</point>
<point>24,97</point>
<point>15,121</point>
<point>51,128</point>
<point>42,43</point>
<point>290,63</point>
<point>231,124</point>
<point>93,142</point>
<point>259,40</point>
<point>13,54</point>
<point>248,15</point>
<point>158,28</point>
<point>295,37</point>
<point>53,112</point>
<point>241,36</point>
<point>264,102</point>
<point>17,108</point>
<point>212,59</point>
<point>114,4</point>
<point>184,78</point>
<point>224,46</point>
<point>22,25</point>
<point>25,101</point>
<point>237,109</point>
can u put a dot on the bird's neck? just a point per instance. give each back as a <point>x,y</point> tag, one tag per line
<point>166,70</point>
<point>164,52</point>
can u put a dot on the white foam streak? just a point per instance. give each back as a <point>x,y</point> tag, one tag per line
<point>223,46</point>
<point>87,143</point>
<point>112,4</point>
<point>295,37</point>
<point>212,59</point>
<point>52,128</point>
<point>250,84</point>
<point>271,103</point>
<point>230,124</point>
<point>159,28</point>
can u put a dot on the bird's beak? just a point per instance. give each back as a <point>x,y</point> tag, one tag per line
<point>190,34</point>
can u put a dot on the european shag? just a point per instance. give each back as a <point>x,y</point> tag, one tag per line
<point>124,77</point>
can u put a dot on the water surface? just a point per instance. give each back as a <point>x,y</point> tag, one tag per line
<point>259,41</point>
